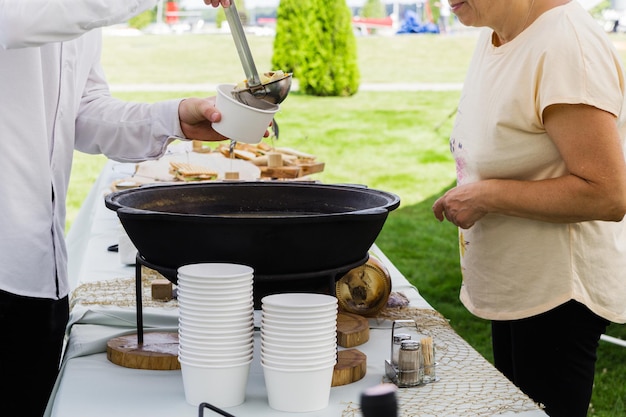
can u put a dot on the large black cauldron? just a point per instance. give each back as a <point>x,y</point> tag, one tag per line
<point>277,228</point>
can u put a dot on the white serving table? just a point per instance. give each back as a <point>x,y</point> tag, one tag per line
<point>91,386</point>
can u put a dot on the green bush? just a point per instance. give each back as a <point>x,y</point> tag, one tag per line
<point>291,26</point>
<point>315,41</point>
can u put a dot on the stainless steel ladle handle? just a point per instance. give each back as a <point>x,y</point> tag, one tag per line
<point>236,29</point>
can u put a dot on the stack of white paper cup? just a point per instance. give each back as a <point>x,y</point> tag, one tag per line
<point>215,332</point>
<point>298,350</point>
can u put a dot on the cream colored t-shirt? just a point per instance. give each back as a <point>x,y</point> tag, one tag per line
<point>514,267</point>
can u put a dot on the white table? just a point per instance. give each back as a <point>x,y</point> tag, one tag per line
<point>89,385</point>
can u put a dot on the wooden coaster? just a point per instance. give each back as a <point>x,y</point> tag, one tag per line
<point>159,351</point>
<point>351,367</point>
<point>352,329</point>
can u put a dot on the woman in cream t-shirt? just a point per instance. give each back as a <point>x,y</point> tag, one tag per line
<point>541,192</point>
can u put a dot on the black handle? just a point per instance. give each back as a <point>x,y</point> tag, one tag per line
<point>202,406</point>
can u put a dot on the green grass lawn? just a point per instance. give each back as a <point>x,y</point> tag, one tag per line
<point>395,141</point>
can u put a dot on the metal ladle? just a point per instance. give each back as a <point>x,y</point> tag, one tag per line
<point>275,91</point>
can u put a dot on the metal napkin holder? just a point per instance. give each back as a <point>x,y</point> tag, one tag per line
<point>412,357</point>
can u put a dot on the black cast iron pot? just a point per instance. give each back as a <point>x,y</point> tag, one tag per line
<point>278,228</point>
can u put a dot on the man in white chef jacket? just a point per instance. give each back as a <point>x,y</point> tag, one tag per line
<point>54,98</point>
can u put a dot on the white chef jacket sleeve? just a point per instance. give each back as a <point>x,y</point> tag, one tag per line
<point>123,131</point>
<point>26,23</point>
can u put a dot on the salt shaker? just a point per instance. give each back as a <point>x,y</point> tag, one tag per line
<point>409,363</point>
<point>397,341</point>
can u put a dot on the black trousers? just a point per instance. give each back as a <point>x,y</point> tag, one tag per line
<point>32,340</point>
<point>551,357</point>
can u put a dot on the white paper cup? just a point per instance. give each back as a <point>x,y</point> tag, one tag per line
<point>207,324</point>
<point>194,288</point>
<point>298,390</point>
<point>298,329</point>
<point>330,350</point>
<point>299,320</point>
<point>297,343</point>
<point>222,386</point>
<point>217,332</point>
<point>290,365</point>
<point>241,122</point>
<point>300,301</point>
<point>287,335</point>
<point>305,360</point>
<point>208,345</point>
<point>215,270</point>
<point>217,315</point>
<point>215,295</point>
<point>209,355</point>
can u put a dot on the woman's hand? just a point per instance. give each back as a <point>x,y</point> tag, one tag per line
<point>460,206</point>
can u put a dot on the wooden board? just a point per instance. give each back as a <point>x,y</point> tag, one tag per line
<point>351,366</point>
<point>311,168</point>
<point>280,172</point>
<point>352,329</point>
<point>159,351</point>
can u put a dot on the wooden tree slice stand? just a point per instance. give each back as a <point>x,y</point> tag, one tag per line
<point>351,366</point>
<point>159,351</point>
<point>352,329</point>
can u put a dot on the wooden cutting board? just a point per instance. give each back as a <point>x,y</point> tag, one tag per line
<point>159,351</point>
<point>351,367</point>
<point>352,329</point>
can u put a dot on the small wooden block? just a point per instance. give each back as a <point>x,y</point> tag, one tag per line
<point>161,289</point>
<point>159,351</point>
<point>274,160</point>
<point>198,146</point>
<point>351,366</point>
<point>352,329</point>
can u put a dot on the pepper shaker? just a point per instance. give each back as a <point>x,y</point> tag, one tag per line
<point>410,364</point>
